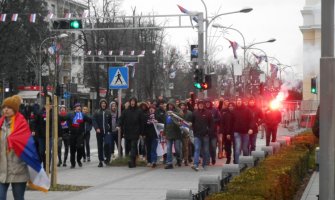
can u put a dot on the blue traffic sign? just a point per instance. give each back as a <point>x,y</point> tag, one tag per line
<point>67,95</point>
<point>118,78</point>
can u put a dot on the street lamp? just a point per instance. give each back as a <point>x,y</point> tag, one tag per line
<point>63,35</point>
<point>267,41</point>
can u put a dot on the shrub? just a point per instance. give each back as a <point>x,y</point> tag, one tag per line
<point>278,177</point>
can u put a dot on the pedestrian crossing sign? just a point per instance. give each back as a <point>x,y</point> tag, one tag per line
<point>118,78</point>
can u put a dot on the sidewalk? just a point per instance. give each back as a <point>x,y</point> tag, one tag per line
<point>312,188</point>
<point>122,183</point>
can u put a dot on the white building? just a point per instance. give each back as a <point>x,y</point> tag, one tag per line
<point>311,30</point>
<point>72,61</point>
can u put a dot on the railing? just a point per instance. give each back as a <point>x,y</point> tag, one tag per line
<point>202,194</point>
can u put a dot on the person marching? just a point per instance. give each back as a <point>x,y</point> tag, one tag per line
<point>151,136</point>
<point>187,116</point>
<point>87,136</point>
<point>201,121</point>
<point>114,131</point>
<point>102,124</point>
<point>272,118</point>
<point>256,118</point>
<point>132,122</point>
<point>63,137</point>
<point>227,130</point>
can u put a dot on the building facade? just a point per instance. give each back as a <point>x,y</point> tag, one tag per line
<point>311,30</point>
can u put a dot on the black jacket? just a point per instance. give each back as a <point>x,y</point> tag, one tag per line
<point>39,125</point>
<point>227,123</point>
<point>132,122</point>
<point>256,117</point>
<point>242,119</point>
<point>76,130</point>
<point>272,118</point>
<point>102,119</point>
<point>149,128</point>
<point>215,114</point>
<point>160,115</point>
<point>201,121</point>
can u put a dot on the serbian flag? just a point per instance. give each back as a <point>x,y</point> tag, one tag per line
<point>14,17</point>
<point>3,17</point>
<point>22,143</point>
<point>32,18</point>
<point>234,46</point>
<point>183,10</point>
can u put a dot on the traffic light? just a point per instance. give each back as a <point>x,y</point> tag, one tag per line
<point>208,82</point>
<point>68,24</point>
<point>313,86</point>
<point>197,78</point>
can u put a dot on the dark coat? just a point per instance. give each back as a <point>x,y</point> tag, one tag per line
<point>215,114</point>
<point>39,125</point>
<point>132,123</point>
<point>81,128</point>
<point>257,116</point>
<point>227,123</point>
<point>242,119</point>
<point>201,122</point>
<point>149,128</point>
<point>272,118</point>
<point>160,115</point>
<point>104,123</point>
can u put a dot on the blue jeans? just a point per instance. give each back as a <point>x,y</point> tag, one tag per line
<point>201,144</point>
<point>154,144</point>
<point>18,190</point>
<point>252,141</point>
<point>241,142</point>
<point>177,146</point>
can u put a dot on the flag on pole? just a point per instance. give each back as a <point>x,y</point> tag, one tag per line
<point>14,17</point>
<point>132,53</point>
<point>260,58</point>
<point>85,14</point>
<point>121,53</point>
<point>99,53</point>
<point>234,45</point>
<point>49,16</point>
<point>3,17</point>
<point>110,53</point>
<point>142,53</point>
<point>22,143</point>
<point>32,18</point>
<point>89,52</point>
<point>183,10</point>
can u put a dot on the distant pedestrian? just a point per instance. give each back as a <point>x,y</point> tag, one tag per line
<point>63,137</point>
<point>187,116</point>
<point>102,124</point>
<point>87,136</point>
<point>114,131</point>
<point>151,136</point>
<point>272,118</point>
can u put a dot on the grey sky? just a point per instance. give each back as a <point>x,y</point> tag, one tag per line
<point>269,19</point>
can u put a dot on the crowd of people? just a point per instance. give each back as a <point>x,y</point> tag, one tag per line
<point>215,130</point>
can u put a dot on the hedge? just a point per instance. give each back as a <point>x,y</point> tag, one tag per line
<point>278,177</point>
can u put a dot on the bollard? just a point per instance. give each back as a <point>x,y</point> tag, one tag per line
<point>233,169</point>
<point>282,142</point>
<point>258,155</point>
<point>268,150</point>
<point>181,194</point>
<point>210,181</point>
<point>317,158</point>
<point>276,146</point>
<point>247,160</point>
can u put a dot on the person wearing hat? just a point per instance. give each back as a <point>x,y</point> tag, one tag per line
<point>201,120</point>
<point>102,124</point>
<point>76,122</point>
<point>13,170</point>
<point>63,137</point>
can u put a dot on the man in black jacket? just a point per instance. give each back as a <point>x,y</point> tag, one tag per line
<point>102,124</point>
<point>227,130</point>
<point>213,129</point>
<point>256,118</point>
<point>201,122</point>
<point>132,122</point>
<point>242,129</point>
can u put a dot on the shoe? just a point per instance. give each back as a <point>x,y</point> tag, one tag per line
<point>100,164</point>
<point>190,160</point>
<point>179,163</point>
<point>84,160</point>
<point>73,166</point>
<point>80,164</point>
<point>228,161</point>
<point>59,164</point>
<point>154,165</point>
<point>195,168</point>
<point>213,162</point>
<point>169,166</point>
<point>131,164</point>
<point>88,159</point>
<point>107,161</point>
<point>64,164</point>
<point>186,163</point>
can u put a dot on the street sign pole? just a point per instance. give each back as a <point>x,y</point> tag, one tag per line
<point>119,96</point>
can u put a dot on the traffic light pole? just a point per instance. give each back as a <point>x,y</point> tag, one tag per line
<point>327,102</point>
<point>201,62</point>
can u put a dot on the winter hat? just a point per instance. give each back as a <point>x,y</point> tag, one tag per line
<point>13,102</point>
<point>182,103</point>
<point>76,105</point>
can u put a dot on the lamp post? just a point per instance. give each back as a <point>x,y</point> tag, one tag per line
<point>63,35</point>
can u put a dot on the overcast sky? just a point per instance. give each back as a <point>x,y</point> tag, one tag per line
<point>269,19</point>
